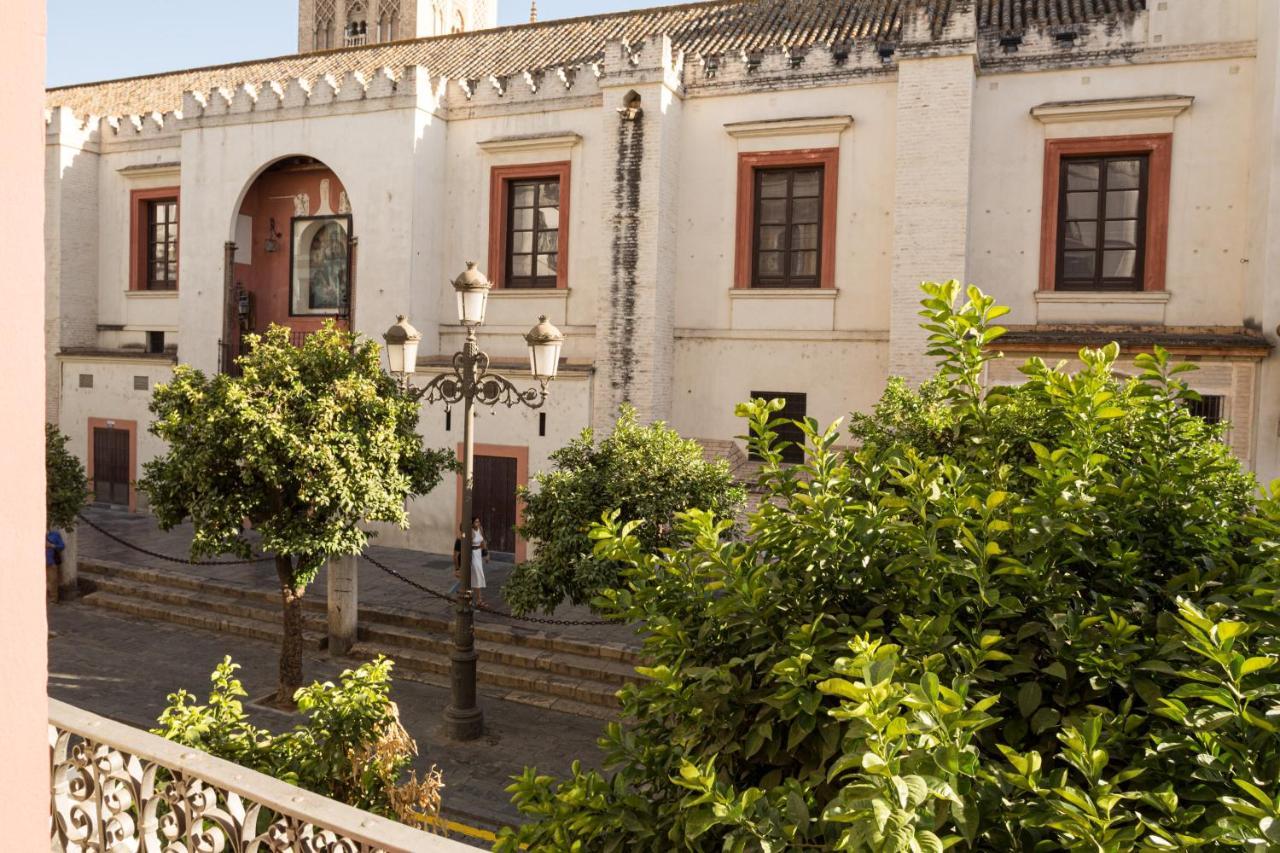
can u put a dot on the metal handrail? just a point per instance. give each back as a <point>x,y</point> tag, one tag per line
<point>98,765</point>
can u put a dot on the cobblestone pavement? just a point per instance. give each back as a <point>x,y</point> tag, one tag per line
<point>124,668</point>
<point>376,588</point>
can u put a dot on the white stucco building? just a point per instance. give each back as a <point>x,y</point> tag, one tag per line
<point>711,201</point>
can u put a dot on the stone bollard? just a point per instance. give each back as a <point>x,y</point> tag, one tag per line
<point>68,572</point>
<point>342,603</point>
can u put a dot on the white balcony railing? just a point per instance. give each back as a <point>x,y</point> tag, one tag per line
<point>120,788</point>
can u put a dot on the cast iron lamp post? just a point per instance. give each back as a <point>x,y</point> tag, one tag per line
<point>470,382</point>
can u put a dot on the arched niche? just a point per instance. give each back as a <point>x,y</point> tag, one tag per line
<point>293,260</point>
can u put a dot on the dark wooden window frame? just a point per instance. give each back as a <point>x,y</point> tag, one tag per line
<point>745,238</point>
<point>788,279</point>
<point>1159,150</point>
<point>1100,220</point>
<point>500,182</point>
<point>140,236</point>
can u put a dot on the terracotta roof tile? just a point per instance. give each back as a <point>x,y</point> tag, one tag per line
<point>702,28</point>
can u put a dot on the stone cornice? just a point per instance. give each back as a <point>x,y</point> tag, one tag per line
<point>1110,109</point>
<point>789,126</point>
<point>530,142</point>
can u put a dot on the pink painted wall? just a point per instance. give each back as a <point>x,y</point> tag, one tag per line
<point>24,772</point>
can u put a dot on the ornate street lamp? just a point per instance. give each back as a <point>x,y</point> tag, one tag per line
<point>470,382</point>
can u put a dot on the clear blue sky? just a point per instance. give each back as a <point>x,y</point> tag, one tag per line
<point>103,39</point>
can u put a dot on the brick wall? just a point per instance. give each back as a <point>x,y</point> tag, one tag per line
<point>71,250</point>
<point>931,195</point>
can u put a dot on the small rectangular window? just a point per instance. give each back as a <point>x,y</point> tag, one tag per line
<point>533,232</point>
<point>1102,210</point>
<point>86,380</point>
<point>542,424</point>
<point>794,409</point>
<point>1209,407</point>
<point>787,227</point>
<point>448,420</point>
<point>155,342</point>
<point>161,244</point>
<point>141,383</point>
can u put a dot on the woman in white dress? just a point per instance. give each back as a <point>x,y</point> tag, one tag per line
<point>479,548</point>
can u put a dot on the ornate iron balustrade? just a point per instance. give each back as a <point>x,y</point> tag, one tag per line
<point>119,788</point>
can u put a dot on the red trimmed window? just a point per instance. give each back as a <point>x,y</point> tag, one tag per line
<point>786,219</point>
<point>154,237</point>
<point>529,226</point>
<point>1106,213</point>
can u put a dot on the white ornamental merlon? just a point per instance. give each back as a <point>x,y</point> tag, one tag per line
<point>499,84</point>
<point>383,84</point>
<point>244,99</point>
<point>194,103</point>
<point>270,96</point>
<point>324,91</point>
<point>297,92</point>
<point>352,87</point>
<point>129,127</point>
<point>219,102</point>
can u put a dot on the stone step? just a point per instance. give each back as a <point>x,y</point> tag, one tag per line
<point>493,629</point>
<point>499,675</point>
<point>383,636</point>
<point>559,663</point>
<point>198,618</point>
<point>536,700</point>
<point>241,608</point>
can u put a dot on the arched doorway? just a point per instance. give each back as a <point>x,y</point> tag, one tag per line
<point>294,253</point>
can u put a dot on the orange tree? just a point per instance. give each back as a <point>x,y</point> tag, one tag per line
<point>305,446</point>
<point>1033,618</point>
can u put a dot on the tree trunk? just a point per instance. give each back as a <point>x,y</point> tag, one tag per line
<point>291,646</point>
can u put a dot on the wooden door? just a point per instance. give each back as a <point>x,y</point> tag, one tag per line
<point>111,466</point>
<point>495,501</point>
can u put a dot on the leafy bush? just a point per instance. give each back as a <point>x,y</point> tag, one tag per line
<point>66,487</point>
<point>647,473</point>
<point>1034,618</point>
<point>352,747</point>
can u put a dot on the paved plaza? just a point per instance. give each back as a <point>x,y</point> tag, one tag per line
<point>124,669</point>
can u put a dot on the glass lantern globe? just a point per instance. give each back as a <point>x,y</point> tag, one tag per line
<point>402,342</point>
<point>473,295</point>
<point>545,341</point>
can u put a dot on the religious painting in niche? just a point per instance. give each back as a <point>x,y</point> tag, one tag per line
<point>321,266</point>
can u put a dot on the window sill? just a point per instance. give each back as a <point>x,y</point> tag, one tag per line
<point>528,292</point>
<point>1101,306</point>
<point>783,293</point>
<point>151,294</point>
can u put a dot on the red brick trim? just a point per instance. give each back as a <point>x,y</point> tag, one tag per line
<point>1159,146</point>
<point>829,158</point>
<point>137,240</point>
<point>500,178</point>
<point>509,451</point>
<point>130,427</point>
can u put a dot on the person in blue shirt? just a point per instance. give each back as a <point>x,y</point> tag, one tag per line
<point>53,548</point>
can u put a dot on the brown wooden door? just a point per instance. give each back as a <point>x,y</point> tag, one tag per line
<point>495,501</point>
<point>111,466</point>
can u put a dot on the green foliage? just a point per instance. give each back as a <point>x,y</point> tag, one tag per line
<point>66,487</point>
<point>352,747</point>
<point>646,473</point>
<point>1029,619</point>
<point>306,444</point>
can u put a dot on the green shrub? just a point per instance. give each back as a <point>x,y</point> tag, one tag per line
<point>646,472</point>
<point>352,747</point>
<point>1034,618</point>
<point>66,487</point>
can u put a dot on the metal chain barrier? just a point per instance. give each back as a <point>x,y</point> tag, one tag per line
<point>484,608</point>
<point>159,556</point>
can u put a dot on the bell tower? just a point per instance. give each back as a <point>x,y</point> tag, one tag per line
<point>330,24</point>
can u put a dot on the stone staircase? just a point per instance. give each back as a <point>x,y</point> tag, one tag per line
<point>530,667</point>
